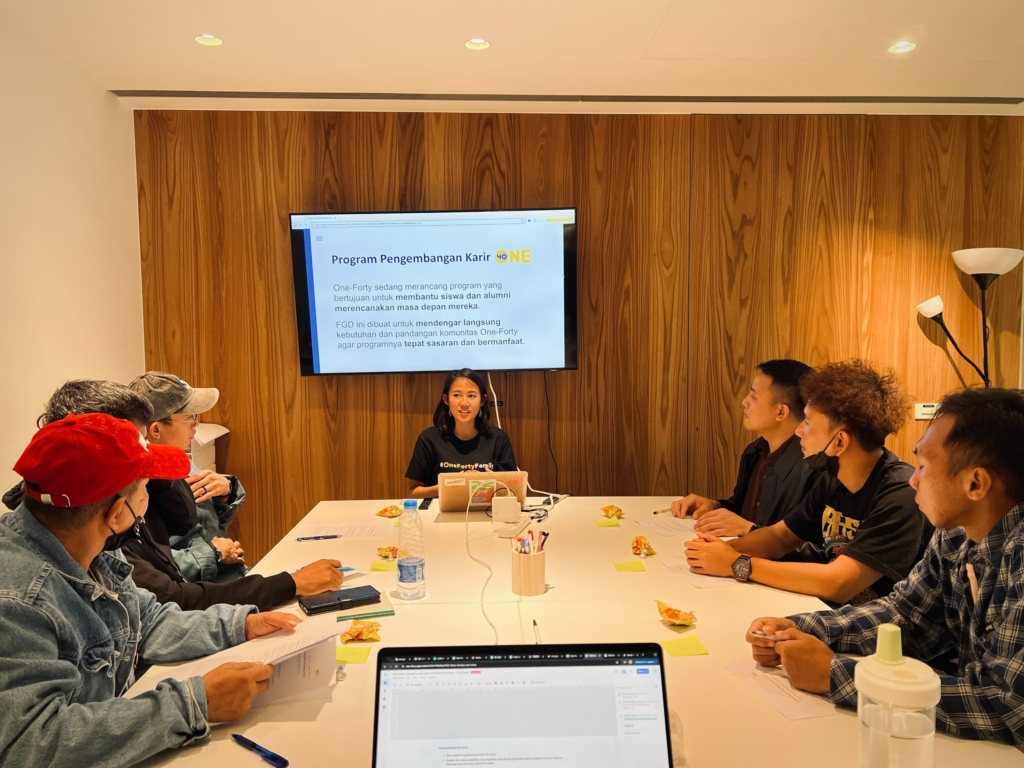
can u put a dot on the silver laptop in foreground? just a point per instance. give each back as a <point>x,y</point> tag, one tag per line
<point>599,706</point>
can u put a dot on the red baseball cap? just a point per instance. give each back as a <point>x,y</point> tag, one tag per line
<point>82,459</point>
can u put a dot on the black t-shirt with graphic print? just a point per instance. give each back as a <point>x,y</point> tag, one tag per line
<point>435,453</point>
<point>880,525</point>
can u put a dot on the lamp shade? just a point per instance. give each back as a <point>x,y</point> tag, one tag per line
<point>931,307</point>
<point>987,261</point>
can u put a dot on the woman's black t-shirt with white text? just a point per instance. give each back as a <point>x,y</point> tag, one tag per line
<point>435,454</point>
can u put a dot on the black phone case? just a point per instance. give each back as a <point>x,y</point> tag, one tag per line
<point>341,600</point>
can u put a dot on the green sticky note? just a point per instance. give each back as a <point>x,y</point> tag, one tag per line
<point>353,654</point>
<point>609,522</point>
<point>384,565</point>
<point>685,646</point>
<point>630,566</point>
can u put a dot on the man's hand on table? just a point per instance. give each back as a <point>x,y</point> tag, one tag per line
<point>806,659</point>
<point>721,522</point>
<point>693,505</point>
<point>230,688</point>
<point>321,576</point>
<point>260,624</point>
<point>710,555</point>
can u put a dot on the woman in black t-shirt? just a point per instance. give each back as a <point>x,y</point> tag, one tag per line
<point>462,438</point>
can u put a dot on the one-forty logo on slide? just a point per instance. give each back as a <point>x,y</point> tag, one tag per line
<point>521,256</point>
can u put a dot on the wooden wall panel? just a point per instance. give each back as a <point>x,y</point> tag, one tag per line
<point>215,190</point>
<point>816,236</point>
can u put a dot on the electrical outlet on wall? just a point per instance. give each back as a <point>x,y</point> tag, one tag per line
<point>924,411</point>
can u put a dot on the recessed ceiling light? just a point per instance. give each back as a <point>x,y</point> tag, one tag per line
<point>477,44</point>
<point>208,40</point>
<point>903,46</point>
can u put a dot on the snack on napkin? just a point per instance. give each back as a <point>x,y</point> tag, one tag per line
<point>388,553</point>
<point>391,511</point>
<point>641,546</point>
<point>362,630</point>
<point>612,511</point>
<point>674,616</point>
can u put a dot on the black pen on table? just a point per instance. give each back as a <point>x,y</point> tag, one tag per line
<point>536,632</point>
<point>318,538</point>
<point>266,754</point>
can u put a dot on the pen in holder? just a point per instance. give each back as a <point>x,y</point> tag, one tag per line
<point>528,573</point>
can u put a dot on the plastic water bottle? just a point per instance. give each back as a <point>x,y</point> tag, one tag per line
<point>412,580</point>
<point>896,699</point>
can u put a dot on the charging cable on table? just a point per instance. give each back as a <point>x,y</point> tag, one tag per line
<point>490,571</point>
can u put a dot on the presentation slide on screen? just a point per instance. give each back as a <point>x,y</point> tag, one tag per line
<point>437,291</point>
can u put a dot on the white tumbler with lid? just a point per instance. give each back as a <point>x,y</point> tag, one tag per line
<point>896,699</point>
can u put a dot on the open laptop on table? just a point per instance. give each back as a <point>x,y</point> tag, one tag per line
<point>454,489</point>
<point>594,705</point>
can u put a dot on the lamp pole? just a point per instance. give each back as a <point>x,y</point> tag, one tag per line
<point>984,280</point>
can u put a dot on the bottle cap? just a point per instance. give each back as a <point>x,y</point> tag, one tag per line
<point>890,677</point>
<point>890,645</point>
<point>409,504</point>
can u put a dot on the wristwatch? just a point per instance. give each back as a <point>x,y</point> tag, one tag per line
<point>741,568</point>
<point>217,555</point>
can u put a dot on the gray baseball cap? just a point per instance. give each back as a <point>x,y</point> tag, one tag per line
<point>169,395</point>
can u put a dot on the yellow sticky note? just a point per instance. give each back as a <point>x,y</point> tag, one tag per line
<point>630,566</point>
<point>384,565</point>
<point>685,646</point>
<point>353,654</point>
<point>608,522</point>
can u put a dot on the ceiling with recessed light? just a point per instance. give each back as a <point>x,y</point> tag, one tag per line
<point>647,48</point>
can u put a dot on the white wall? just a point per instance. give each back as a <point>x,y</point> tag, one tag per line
<point>70,279</point>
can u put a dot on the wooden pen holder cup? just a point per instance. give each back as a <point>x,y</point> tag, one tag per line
<point>528,574</point>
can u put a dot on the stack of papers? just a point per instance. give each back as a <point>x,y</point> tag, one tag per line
<point>774,686</point>
<point>304,660</point>
<point>700,580</point>
<point>667,525</point>
<point>372,530</point>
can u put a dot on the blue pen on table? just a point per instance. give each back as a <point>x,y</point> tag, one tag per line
<point>318,538</point>
<point>346,569</point>
<point>266,754</point>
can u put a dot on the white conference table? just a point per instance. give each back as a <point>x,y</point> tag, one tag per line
<point>724,723</point>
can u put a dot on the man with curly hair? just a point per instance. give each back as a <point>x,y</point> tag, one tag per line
<point>861,511</point>
<point>961,610</point>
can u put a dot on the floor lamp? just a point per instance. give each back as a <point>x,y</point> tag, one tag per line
<point>984,265</point>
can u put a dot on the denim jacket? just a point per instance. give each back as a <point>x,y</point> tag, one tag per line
<point>71,644</point>
<point>193,554</point>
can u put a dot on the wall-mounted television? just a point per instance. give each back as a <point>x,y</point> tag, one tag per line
<point>435,290</point>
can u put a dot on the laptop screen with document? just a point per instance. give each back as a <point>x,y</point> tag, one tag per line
<point>594,705</point>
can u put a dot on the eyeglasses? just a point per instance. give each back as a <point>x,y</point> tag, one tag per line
<point>190,419</point>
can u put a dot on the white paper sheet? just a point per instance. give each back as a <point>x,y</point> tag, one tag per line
<point>277,649</point>
<point>370,530</point>
<point>773,685</point>
<point>666,525</point>
<point>301,676</point>
<point>700,580</point>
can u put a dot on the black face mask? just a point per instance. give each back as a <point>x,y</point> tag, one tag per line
<point>118,540</point>
<point>822,460</point>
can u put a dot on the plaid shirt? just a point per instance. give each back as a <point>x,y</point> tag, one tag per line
<point>981,642</point>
